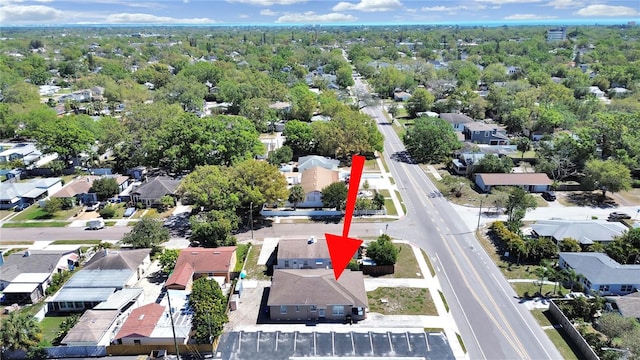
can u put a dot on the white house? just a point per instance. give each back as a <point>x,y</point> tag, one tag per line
<point>313,181</point>
<point>309,253</point>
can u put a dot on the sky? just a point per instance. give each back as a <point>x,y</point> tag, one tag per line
<point>285,12</point>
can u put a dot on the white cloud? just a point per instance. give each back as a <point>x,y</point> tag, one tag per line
<point>528,17</point>
<point>312,17</point>
<point>501,2</point>
<point>13,14</point>
<point>369,5</point>
<point>243,16</point>
<point>564,4</point>
<point>125,18</point>
<point>453,9</point>
<point>607,10</point>
<point>436,8</point>
<point>268,12</point>
<point>266,2</point>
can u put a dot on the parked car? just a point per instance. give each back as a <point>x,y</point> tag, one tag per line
<point>129,211</point>
<point>95,224</point>
<point>102,204</point>
<point>549,195</point>
<point>21,207</point>
<point>618,216</point>
<point>92,206</point>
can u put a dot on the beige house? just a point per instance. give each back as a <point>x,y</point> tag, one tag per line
<point>303,254</point>
<point>313,181</point>
<point>315,295</point>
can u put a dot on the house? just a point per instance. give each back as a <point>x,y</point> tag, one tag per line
<point>150,325</point>
<point>12,194</point>
<point>595,91</point>
<point>313,181</point>
<point>17,152</point>
<point>152,191</point>
<point>79,190</point>
<point>94,328</point>
<point>29,267</point>
<point>193,263</point>
<point>601,274</point>
<point>103,275</point>
<point>465,162</point>
<point>27,288</point>
<point>627,305</point>
<point>531,182</point>
<point>401,96</point>
<point>586,232</point>
<point>481,133</point>
<point>315,295</point>
<point>303,254</point>
<point>307,162</point>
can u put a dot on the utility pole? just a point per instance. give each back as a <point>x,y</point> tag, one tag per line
<point>173,327</point>
<point>479,214</point>
<point>251,219</point>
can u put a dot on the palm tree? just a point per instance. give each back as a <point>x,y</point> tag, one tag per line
<point>296,195</point>
<point>571,277</point>
<point>20,331</point>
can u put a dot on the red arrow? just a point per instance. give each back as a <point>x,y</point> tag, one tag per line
<point>342,248</point>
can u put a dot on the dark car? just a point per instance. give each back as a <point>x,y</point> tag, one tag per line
<point>21,206</point>
<point>618,216</point>
<point>549,195</point>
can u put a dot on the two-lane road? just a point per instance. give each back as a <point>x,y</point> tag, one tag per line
<point>492,323</point>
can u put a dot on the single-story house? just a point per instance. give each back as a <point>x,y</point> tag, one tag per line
<point>25,276</point>
<point>17,152</point>
<point>193,263</point>
<point>627,305</point>
<point>595,91</point>
<point>313,181</point>
<point>315,295</point>
<point>105,273</point>
<point>150,193</point>
<point>79,190</point>
<point>12,194</point>
<point>586,232</point>
<point>465,162</point>
<point>303,254</point>
<point>307,162</point>
<point>150,324</point>
<point>481,133</point>
<point>601,274</point>
<point>94,328</point>
<point>531,182</point>
<point>401,96</point>
<point>456,120</point>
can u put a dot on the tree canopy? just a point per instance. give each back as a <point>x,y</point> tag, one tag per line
<point>382,251</point>
<point>430,140</point>
<point>146,233</point>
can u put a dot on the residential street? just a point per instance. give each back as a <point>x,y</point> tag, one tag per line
<point>491,321</point>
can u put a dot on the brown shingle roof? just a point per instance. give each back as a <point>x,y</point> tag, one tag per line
<point>82,186</point>
<point>317,178</point>
<point>514,179</point>
<point>302,249</point>
<point>141,321</point>
<point>201,260</point>
<point>317,287</point>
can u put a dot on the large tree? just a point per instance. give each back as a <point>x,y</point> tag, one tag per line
<point>209,304</point>
<point>607,175</point>
<point>493,164</point>
<point>64,136</point>
<point>518,203</point>
<point>259,182</point>
<point>296,195</point>
<point>299,136</point>
<point>420,101</point>
<point>104,187</point>
<point>20,331</point>
<point>147,233</point>
<point>213,228</point>
<point>382,251</point>
<point>210,187</point>
<point>430,140</point>
<point>335,195</point>
<point>303,102</point>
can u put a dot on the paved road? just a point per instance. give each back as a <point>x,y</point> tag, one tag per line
<point>492,323</point>
<point>66,233</point>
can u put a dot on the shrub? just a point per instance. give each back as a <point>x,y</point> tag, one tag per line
<point>107,212</point>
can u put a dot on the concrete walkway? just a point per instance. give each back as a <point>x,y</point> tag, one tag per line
<point>397,202</point>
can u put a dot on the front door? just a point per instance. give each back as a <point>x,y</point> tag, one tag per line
<point>321,313</point>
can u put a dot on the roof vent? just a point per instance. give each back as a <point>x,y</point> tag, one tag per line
<point>312,240</point>
<point>194,253</point>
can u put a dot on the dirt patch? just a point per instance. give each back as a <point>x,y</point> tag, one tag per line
<point>86,215</point>
<point>591,199</point>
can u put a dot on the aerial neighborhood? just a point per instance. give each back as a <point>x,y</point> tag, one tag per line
<point>166,191</point>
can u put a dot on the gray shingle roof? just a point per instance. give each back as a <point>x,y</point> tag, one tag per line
<point>317,287</point>
<point>117,260</point>
<point>601,269</point>
<point>37,262</point>
<point>302,249</point>
<point>157,188</point>
<point>456,118</point>
<point>586,232</point>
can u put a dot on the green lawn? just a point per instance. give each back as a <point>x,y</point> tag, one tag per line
<point>557,336</point>
<point>426,258</point>
<point>50,327</point>
<point>385,193</point>
<point>255,271</point>
<point>391,209</point>
<point>444,300</point>
<point>401,301</point>
<point>241,253</point>
<point>36,224</point>
<point>384,163</point>
<point>531,289</point>
<point>35,212</point>
<point>16,242</point>
<point>371,165</point>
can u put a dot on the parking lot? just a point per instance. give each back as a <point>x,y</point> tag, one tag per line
<point>286,345</point>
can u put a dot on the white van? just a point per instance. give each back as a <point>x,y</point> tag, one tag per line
<point>95,224</point>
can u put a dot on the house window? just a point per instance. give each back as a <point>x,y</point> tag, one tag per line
<point>119,341</point>
<point>312,308</point>
<point>626,288</point>
<point>486,134</point>
<point>604,288</point>
<point>136,342</point>
<point>337,310</point>
<point>297,308</point>
<point>588,283</point>
<point>286,263</point>
<point>306,263</point>
<point>283,309</point>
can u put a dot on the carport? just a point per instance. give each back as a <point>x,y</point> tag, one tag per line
<point>308,345</point>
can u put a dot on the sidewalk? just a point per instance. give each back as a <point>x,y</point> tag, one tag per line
<point>391,187</point>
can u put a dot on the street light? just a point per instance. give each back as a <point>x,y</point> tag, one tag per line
<point>479,214</point>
